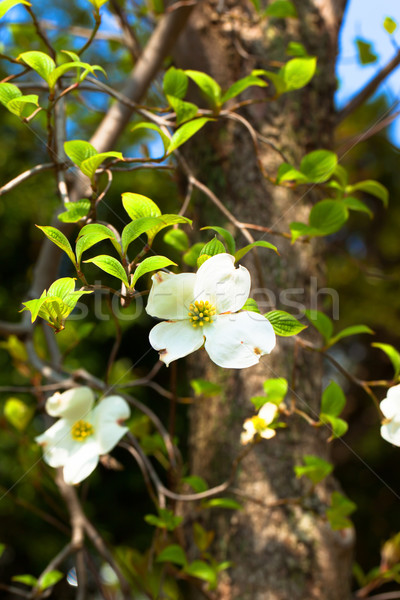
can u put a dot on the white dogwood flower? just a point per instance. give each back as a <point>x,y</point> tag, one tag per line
<point>390,406</point>
<point>258,425</point>
<point>83,433</point>
<point>202,308</point>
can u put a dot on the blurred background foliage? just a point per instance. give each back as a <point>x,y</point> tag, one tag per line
<point>363,266</point>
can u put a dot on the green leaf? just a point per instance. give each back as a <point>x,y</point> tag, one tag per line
<point>366,56</point>
<point>251,306</point>
<point>185,111</point>
<point>321,322</point>
<point>341,508</point>
<point>281,9</point>
<point>34,306</point>
<point>301,229</point>
<point>98,3</point>
<point>110,265</point>
<point>288,173</point>
<point>258,401</point>
<point>341,174</point>
<point>196,482</point>
<point>79,150</point>
<point>275,389</point>
<point>327,216</point>
<point>202,570</point>
<point>40,62</point>
<point>178,239</point>
<point>353,330</point>
<point>276,78</point>
<point>89,166</point>
<point>298,72</point>
<point>173,554</point>
<point>356,204</point>
<point>371,187</point>
<point>59,71</point>
<point>165,519</point>
<point>150,264</point>
<point>75,211</point>
<point>339,427</point>
<point>191,256</point>
<point>392,354</point>
<point>212,248</point>
<point>26,579</point>
<point>390,25</point>
<point>333,400</point>
<point>136,228</point>
<point>209,87</point>
<point>226,235</point>
<point>202,537</point>
<point>260,244</point>
<point>239,86</point>
<point>223,503</point>
<point>2,549</point>
<point>138,206</point>
<point>315,468</point>
<point>175,83</point>
<point>296,49</point>
<point>153,127</point>
<point>9,91</point>
<point>202,387</point>
<point>6,5</point>
<point>49,579</point>
<point>284,324</point>
<point>17,105</point>
<point>18,413</point>
<point>185,132</point>
<point>90,235</point>
<point>59,239</point>
<point>319,165</point>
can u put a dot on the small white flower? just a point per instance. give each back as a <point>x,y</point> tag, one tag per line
<point>201,308</point>
<point>83,433</point>
<point>390,406</point>
<point>258,425</point>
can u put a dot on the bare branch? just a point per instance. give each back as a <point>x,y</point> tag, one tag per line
<point>24,176</point>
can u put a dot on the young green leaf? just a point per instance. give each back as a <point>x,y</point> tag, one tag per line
<point>288,173</point>
<point>202,387</point>
<point>276,78</point>
<point>203,571</point>
<point>321,322</point>
<point>242,84</point>
<point>6,5</point>
<point>49,579</point>
<point>260,244</point>
<point>59,71</point>
<point>136,228</point>
<point>18,413</point>
<point>175,83</point>
<point>90,235</point>
<point>79,150</point>
<point>228,237</point>
<point>8,91</point>
<point>390,25</point>
<point>223,503</point>
<point>89,165</point>
<point>338,426</point>
<point>202,537</point>
<point>357,205</point>
<point>296,49</point>
<point>173,554</point>
<point>17,105</point>
<point>341,507</point>
<point>371,187</point>
<point>212,248</point>
<point>58,238</point>
<point>185,111</point>
<point>26,579</point>
<point>209,87</point>
<point>165,519</point>
<point>110,265</point>
<point>196,483</point>
<point>327,216</point>
<point>392,354</point>
<point>138,206</point>
<point>75,211</point>
<point>150,264</point>
<point>315,468</point>
<point>275,389</point>
<point>284,324</point>
<point>333,400</point>
<point>191,256</point>
<point>298,72</point>
<point>281,9</point>
<point>185,132</point>
<point>318,166</point>
<point>178,239</point>
<point>34,306</point>
<point>40,62</point>
<point>301,229</point>
<point>251,306</point>
<point>353,330</point>
<point>366,56</point>
<point>97,3</point>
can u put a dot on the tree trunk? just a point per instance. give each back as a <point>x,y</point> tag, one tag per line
<point>287,551</point>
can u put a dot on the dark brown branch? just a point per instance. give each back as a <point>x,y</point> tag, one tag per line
<point>369,89</point>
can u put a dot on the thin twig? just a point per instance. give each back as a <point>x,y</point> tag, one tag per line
<point>24,176</point>
<point>40,32</point>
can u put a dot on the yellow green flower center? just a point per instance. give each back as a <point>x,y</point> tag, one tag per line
<point>259,424</point>
<point>81,430</point>
<point>201,313</point>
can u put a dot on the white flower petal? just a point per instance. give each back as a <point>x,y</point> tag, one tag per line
<point>72,404</point>
<point>175,339</point>
<point>108,416</point>
<point>267,434</point>
<point>82,462</point>
<point>236,341</point>
<point>268,412</point>
<point>391,432</point>
<point>171,295</point>
<point>57,443</point>
<point>219,282</point>
<point>390,406</point>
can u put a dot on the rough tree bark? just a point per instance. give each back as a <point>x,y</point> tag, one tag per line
<point>287,551</point>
